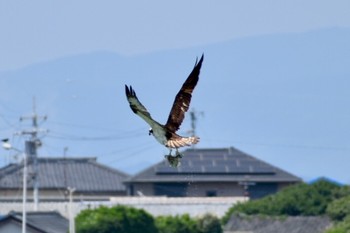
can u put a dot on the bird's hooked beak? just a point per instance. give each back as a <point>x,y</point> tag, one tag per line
<point>150,131</point>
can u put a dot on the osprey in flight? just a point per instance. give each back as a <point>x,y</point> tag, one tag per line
<point>166,134</point>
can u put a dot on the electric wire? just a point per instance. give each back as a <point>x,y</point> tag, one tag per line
<point>70,125</point>
<point>8,122</point>
<point>294,146</point>
<point>62,136</point>
<point>131,154</point>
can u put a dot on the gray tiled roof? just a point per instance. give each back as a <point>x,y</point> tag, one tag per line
<point>205,165</point>
<point>84,174</point>
<point>51,222</point>
<point>299,224</point>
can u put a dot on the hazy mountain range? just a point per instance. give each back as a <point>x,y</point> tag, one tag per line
<point>282,98</point>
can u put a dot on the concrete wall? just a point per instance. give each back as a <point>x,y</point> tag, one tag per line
<point>194,206</point>
<point>154,205</point>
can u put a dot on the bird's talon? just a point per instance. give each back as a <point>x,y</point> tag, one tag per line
<point>174,161</point>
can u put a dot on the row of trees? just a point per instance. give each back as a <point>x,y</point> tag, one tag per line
<point>339,211</point>
<point>124,219</point>
<point>320,198</point>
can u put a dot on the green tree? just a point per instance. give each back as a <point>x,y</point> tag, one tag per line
<point>339,209</point>
<point>176,224</point>
<point>119,219</point>
<point>186,224</point>
<point>300,199</point>
<point>341,227</point>
<point>209,224</point>
<point>343,191</point>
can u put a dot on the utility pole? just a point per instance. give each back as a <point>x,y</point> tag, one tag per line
<point>71,214</point>
<point>7,146</point>
<point>31,149</point>
<point>194,117</point>
<point>65,149</point>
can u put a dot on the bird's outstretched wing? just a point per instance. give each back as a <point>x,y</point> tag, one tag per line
<point>183,98</point>
<point>137,107</point>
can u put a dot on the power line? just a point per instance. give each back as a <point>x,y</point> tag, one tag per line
<point>120,136</point>
<point>8,108</point>
<point>7,122</point>
<point>92,127</point>
<point>132,154</point>
<point>295,146</point>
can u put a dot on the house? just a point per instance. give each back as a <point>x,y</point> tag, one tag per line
<point>211,172</point>
<point>36,222</point>
<point>290,224</point>
<point>91,180</point>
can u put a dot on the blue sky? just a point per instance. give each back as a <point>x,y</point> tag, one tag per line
<point>39,30</point>
<point>274,81</point>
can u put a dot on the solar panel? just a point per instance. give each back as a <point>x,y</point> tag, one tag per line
<point>213,170</point>
<point>166,170</point>
<point>203,163</point>
<point>216,162</point>
<point>213,156</point>
<point>235,169</point>
<point>217,169</point>
<point>263,170</point>
<point>223,163</point>
<point>193,169</point>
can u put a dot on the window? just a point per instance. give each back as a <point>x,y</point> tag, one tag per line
<point>211,193</point>
<point>170,189</point>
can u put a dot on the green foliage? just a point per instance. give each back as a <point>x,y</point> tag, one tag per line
<point>343,191</point>
<point>339,208</point>
<point>339,211</point>
<point>186,224</point>
<point>123,219</point>
<point>209,224</point>
<point>176,224</point>
<point>341,227</point>
<point>119,219</point>
<point>300,199</point>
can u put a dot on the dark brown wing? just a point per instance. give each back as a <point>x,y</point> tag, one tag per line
<point>183,98</point>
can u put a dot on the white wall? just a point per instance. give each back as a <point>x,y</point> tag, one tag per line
<point>195,206</point>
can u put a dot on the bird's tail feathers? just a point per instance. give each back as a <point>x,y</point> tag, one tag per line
<point>183,141</point>
<point>193,140</point>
